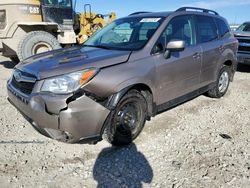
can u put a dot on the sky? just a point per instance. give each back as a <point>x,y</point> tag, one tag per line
<point>235,11</point>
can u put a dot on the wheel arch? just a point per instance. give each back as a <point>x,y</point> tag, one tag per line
<point>143,88</point>
<point>233,66</point>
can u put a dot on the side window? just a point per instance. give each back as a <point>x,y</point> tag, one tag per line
<point>2,19</point>
<point>223,27</point>
<point>207,30</point>
<point>179,28</point>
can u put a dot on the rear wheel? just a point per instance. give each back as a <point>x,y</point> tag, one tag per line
<point>127,120</point>
<point>222,84</point>
<point>36,42</point>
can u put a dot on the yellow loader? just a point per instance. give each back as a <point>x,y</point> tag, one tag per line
<point>29,27</point>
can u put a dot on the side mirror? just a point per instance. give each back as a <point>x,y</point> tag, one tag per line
<point>174,46</point>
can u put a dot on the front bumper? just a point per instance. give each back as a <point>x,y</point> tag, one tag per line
<point>243,57</point>
<point>81,121</point>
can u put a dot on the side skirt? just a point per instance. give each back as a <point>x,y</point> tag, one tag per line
<point>180,100</point>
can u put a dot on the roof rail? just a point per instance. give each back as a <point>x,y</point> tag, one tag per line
<point>197,9</point>
<point>141,12</point>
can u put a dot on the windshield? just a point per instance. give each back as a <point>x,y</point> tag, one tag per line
<point>244,27</point>
<point>125,34</point>
<point>60,3</point>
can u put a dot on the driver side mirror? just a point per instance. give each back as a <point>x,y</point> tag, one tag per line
<point>174,46</point>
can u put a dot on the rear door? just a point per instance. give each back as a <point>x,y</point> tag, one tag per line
<point>207,37</point>
<point>179,74</point>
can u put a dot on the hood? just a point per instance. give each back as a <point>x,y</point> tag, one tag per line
<point>241,34</point>
<point>64,61</point>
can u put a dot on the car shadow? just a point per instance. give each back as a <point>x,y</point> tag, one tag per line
<point>8,64</point>
<point>243,68</point>
<point>122,167</point>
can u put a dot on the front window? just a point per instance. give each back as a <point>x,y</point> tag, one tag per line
<point>2,19</point>
<point>244,27</point>
<point>58,3</point>
<point>125,34</point>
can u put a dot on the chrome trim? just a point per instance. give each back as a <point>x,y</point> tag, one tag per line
<point>21,78</point>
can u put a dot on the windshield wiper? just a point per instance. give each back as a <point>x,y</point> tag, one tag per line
<point>98,46</point>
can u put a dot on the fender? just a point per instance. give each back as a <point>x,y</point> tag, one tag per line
<point>17,25</point>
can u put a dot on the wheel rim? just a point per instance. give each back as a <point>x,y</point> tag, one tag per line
<point>129,117</point>
<point>41,47</point>
<point>223,82</point>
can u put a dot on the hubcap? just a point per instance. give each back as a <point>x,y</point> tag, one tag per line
<point>41,47</point>
<point>223,82</point>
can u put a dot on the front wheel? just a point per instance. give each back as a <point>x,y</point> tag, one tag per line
<point>222,84</point>
<point>126,122</point>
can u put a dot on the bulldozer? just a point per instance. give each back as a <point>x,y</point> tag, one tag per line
<point>29,27</point>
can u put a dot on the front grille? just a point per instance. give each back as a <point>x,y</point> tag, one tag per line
<point>2,19</point>
<point>244,48</point>
<point>25,87</point>
<point>243,40</point>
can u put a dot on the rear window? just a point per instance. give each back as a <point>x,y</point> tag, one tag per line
<point>2,19</point>
<point>207,30</point>
<point>222,27</point>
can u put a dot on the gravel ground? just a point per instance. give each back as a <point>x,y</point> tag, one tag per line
<point>203,143</point>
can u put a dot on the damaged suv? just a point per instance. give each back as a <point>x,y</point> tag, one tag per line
<point>128,72</point>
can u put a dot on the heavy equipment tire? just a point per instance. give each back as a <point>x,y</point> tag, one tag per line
<point>222,83</point>
<point>127,120</point>
<point>36,42</point>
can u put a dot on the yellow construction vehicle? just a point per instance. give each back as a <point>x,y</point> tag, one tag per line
<point>29,27</point>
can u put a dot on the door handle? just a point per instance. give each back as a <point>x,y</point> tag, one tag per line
<point>197,55</point>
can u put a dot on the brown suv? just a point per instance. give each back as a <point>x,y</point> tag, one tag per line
<point>128,72</point>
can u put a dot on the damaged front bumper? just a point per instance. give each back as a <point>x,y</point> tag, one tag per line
<point>80,120</point>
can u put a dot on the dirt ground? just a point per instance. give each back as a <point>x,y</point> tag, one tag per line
<point>203,143</point>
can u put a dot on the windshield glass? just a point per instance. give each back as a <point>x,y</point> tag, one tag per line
<point>125,34</point>
<point>60,3</point>
<point>244,27</point>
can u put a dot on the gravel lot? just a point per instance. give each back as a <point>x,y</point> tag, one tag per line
<point>203,143</point>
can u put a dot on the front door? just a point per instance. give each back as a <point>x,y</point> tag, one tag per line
<point>179,74</point>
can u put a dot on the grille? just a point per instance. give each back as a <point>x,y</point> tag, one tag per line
<point>244,48</point>
<point>23,86</point>
<point>243,40</point>
<point>2,19</point>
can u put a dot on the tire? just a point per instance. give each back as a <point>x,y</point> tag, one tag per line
<point>222,84</point>
<point>127,120</point>
<point>36,42</point>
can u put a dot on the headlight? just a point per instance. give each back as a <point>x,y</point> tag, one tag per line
<point>68,83</point>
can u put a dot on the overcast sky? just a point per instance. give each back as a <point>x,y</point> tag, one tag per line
<point>233,10</point>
